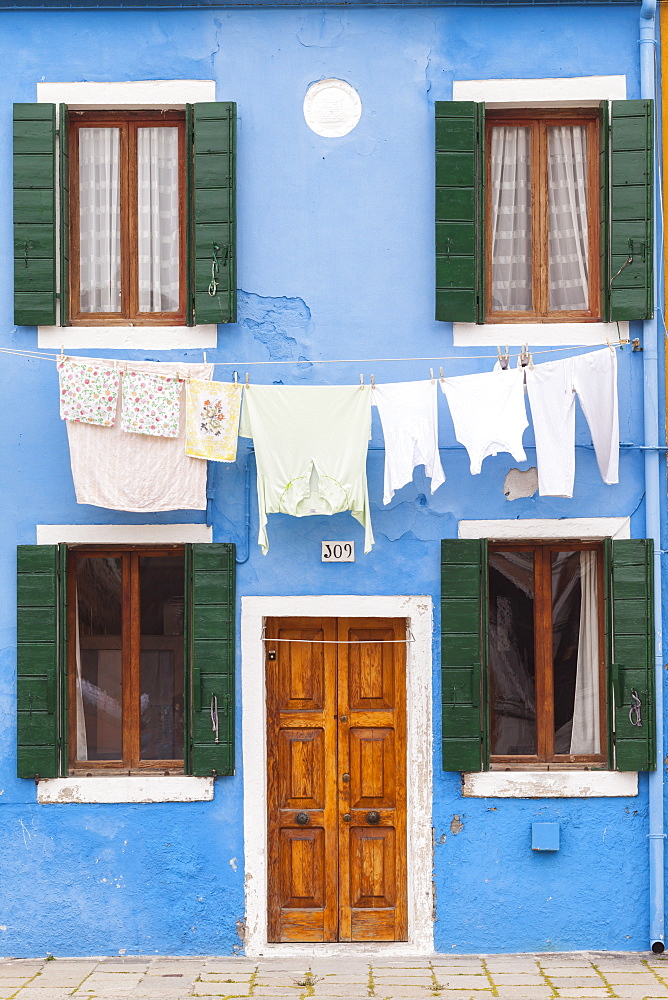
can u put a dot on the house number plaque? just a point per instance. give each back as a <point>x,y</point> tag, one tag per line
<point>338,552</point>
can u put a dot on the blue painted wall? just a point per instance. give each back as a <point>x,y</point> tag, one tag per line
<point>335,261</point>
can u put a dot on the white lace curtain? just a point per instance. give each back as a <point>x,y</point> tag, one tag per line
<point>100,219</point>
<point>511,249</point>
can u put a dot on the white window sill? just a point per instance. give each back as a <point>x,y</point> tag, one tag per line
<point>128,338</point>
<point>537,334</point>
<point>550,784</point>
<point>124,788</point>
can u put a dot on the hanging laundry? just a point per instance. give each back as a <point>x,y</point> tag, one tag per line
<point>150,404</point>
<point>88,391</point>
<point>212,420</point>
<point>310,445</point>
<point>409,417</point>
<point>552,388</point>
<point>138,472</point>
<point>488,412</point>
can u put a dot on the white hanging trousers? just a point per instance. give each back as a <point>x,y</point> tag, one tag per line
<point>409,414</point>
<point>488,412</point>
<point>552,388</point>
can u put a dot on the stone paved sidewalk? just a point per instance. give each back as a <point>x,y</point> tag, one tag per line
<point>636,976</point>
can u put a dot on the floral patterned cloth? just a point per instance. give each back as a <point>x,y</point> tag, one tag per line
<point>88,392</point>
<point>150,405</point>
<point>212,420</point>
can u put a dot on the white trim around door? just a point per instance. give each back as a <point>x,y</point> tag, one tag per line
<point>418,613</point>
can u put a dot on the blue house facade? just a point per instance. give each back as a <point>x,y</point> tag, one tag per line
<point>448,742</point>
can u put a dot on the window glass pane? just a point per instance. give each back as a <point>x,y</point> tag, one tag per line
<point>567,216</point>
<point>158,218</point>
<point>161,585</point>
<point>575,653</point>
<point>99,220</point>
<point>99,674</point>
<point>511,653</point>
<point>510,185</point>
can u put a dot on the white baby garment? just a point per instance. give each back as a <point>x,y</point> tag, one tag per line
<point>489,413</point>
<point>409,415</point>
<point>552,387</point>
<point>138,472</point>
<point>310,445</point>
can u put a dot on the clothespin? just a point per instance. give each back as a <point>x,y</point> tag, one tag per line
<point>504,359</point>
<point>235,375</point>
<point>204,354</point>
<point>612,350</point>
<point>431,375</point>
<point>525,357</point>
<point>442,376</point>
<point>361,381</point>
<point>373,381</point>
<point>247,382</point>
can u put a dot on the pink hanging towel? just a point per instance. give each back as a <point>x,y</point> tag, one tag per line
<point>88,392</point>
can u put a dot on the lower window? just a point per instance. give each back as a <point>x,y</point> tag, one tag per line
<point>546,653</point>
<point>126,654</point>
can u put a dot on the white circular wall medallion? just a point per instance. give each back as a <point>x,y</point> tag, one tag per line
<point>332,108</point>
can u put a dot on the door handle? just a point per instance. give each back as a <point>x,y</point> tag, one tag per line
<point>347,817</point>
<point>302,819</point>
<point>345,778</point>
<point>373,817</point>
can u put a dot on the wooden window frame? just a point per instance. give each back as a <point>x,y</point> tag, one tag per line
<point>128,122</point>
<point>539,122</point>
<point>130,645</point>
<point>543,659</point>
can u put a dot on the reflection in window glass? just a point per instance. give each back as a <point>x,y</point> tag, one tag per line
<point>99,672</point>
<point>511,653</point>
<point>161,586</point>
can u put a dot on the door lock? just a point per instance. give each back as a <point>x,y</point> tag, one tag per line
<point>301,818</point>
<point>345,778</point>
<point>373,817</point>
<point>271,654</point>
<point>347,817</point>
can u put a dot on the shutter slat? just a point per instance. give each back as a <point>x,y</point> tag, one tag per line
<point>37,651</point>
<point>631,209</point>
<point>211,616</point>
<point>64,212</point>
<point>632,665</point>
<point>34,214</point>
<point>463,592</point>
<point>458,210</point>
<point>214,211</point>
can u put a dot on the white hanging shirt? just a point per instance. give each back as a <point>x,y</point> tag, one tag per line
<point>489,413</point>
<point>409,415</point>
<point>138,472</point>
<point>552,388</point>
<point>310,445</point>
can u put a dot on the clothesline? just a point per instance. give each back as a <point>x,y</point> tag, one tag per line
<point>235,365</point>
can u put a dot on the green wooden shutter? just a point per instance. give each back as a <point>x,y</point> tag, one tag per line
<point>632,664</point>
<point>64,210</point>
<point>604,206</point>
<point>210,616</point>
<point>459,211</point>
<point>631,209</point>
<point>34,214</point>
<point>213,198</point>
<point>463,652</point>
<point>38,650</point>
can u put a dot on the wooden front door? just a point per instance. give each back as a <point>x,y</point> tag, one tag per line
<point>336,758</point>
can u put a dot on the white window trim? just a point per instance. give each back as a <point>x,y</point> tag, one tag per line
<point>119,788</point>
<point>115,787</point>
<point>418,612</point>
<point>558,92</point>
<point>549,784</point>
<point>130,95</point>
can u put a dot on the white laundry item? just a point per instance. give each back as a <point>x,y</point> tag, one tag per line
<point>311,445</point>
<point>409,416</point>
<point>552,388</point>
<point>488,412</point>
<point>138,472</point>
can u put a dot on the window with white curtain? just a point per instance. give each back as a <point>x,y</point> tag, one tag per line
<point>546,658</point>
<point>127,217</point>
<point>542,216</point>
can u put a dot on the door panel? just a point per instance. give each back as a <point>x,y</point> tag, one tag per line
<point>336,779</point>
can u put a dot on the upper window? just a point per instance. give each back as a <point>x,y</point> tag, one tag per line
<point>542,216</point>
<point>124,218</point>
<point>127,218</point>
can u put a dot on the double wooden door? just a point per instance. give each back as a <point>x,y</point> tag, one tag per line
<point>336,758</point>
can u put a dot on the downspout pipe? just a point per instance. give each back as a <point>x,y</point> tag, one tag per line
<point>652,422</point>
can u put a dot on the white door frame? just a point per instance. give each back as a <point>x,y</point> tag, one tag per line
<point>418,613</point>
